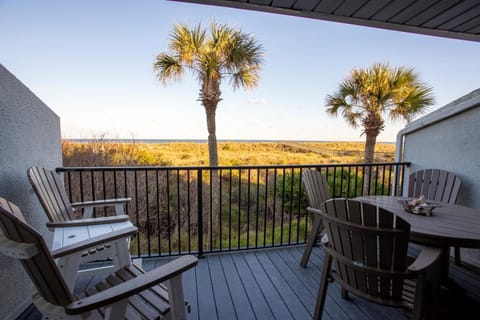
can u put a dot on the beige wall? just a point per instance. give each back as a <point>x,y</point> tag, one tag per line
<point>29,135</point>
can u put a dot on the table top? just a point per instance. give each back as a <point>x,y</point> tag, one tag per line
<point>64,236</point>
<point>450,224</point>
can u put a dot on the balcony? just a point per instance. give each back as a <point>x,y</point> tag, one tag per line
<point>251,241</point>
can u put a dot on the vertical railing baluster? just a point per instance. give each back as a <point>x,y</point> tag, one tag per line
<point>81,186</point>
<point>335,195</point>
<point>147,226</point>
<point>159,233</point>
<point>210,209</point>
<point>274,204</point>
<point>69,186</point>
<point>400,178</point>
<point>239,213</point>
<point>200,211</point>
<point>282,209</point>
<point>290,210</point>
<point>139,252</point>
<point>299,205</point>
<point>115,193</point>
<point>189,212</point>
<point>220,211</point>
<point>104,191</point>
<point>178,214</point>
<point>266,210</point>
<point>349,181</point>
<point>341,183</point>
<point>248,208</point>
<point>258,207</point>
<point>383,179</point>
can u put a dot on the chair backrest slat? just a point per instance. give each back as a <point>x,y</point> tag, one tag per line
<point>41,268</point>
<point>369,247</point>
<point>316,186</point>
<point>50,191</point>
<point>434,184</point>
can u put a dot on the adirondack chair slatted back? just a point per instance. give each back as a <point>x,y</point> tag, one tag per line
<point>369,248</point>
<point>316,186</point>
<point>50,191</point>
<point>434,184</point>
<point>41,267</point>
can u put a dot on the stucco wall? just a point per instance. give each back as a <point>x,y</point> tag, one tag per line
<point>29,135</point>
<point>452,144</point>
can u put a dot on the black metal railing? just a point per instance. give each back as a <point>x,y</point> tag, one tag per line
<point>210,209</point>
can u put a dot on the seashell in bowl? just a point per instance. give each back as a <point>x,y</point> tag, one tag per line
<point>425,208</point>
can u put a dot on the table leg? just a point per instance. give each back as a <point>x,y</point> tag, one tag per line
<point>438,279</point>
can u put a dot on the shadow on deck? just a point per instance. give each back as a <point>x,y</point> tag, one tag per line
<point>270,284</point>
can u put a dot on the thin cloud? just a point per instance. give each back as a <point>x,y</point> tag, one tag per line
<point>257,101</point>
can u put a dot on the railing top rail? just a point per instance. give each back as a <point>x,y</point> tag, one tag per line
<point>79,169</point>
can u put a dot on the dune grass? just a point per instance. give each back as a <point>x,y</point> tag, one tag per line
<point>111,153</point>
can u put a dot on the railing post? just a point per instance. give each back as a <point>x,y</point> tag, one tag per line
<point>200,212</point>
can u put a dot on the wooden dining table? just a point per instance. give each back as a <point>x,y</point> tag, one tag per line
<point>449,225</point>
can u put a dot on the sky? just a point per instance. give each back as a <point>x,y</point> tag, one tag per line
<point>91,62</point>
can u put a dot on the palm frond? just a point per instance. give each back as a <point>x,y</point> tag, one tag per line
<point>167,68</point>
<point>367,93</point>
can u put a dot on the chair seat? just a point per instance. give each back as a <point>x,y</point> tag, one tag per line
<point>149,304</point>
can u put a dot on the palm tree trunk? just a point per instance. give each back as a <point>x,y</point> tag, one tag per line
<point>370,142</point>
<point>213,162</point>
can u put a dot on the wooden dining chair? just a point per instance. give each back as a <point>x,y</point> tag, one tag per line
<point>436,185</point>
<point>316,187</point>
<point>128,293</point>
<point>368,247</point>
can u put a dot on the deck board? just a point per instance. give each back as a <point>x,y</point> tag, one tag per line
<point>270,284</point>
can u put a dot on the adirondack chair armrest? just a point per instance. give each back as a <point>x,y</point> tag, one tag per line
<point>132,286</point>
<point>88,206</point>
<point>17,250</point>
<point>427,257</point>
<point>314,210</point>
<point>100,203</point>
<point>95,241</point>
<point>88,221</point>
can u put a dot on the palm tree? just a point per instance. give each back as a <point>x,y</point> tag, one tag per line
<point>369,94</point>
<point>224,53</point>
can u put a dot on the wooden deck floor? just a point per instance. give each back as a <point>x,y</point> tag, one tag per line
<point>270,284</point>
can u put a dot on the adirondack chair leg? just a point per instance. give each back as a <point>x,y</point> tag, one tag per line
<point>458,260</point>
<point>322,290</point>
<point>344,293</point>
<point>122,253</point>
<point>117,310</point>
<point>176,298</point>
<point>69,268</point>
<point>312,240</point>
